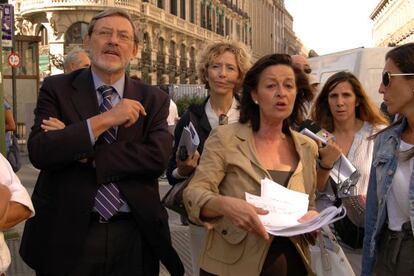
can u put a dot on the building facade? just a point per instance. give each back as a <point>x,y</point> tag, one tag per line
<point>170,31</point>
<point>393,22</point>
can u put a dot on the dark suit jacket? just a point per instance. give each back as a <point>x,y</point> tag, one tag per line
<point>64,193</point>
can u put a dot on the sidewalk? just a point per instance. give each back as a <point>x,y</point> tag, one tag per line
<point>28,175</point>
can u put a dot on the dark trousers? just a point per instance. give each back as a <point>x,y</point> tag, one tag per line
<point>282,259</point>
<point>114,248</point>
<point>395,252</point>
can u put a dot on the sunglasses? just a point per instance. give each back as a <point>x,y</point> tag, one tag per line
<point>386,77</point>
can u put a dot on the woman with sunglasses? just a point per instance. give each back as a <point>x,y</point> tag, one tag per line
<point>221,67</point>
<point>344,109</point>
<point>389,241</point>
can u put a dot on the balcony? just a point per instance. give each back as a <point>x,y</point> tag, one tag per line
<point>33,6</point>
<point>173,22</point>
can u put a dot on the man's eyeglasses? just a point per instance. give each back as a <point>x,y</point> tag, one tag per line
<point>386,77</point>
<point>107,34</point>
<point>223,119</point>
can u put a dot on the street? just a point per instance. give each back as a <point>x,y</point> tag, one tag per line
<point>28,175</point>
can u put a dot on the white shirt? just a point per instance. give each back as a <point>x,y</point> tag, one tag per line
<point>233,114</point>
<point>172,114</point>
<point>398,208</point>
<point>18,194</point>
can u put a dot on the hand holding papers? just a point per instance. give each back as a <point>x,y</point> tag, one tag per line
<point>286,207</point>
<point>189,142</point>
<point>343,173</point>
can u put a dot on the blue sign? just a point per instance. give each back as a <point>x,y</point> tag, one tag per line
<point>7,25</point>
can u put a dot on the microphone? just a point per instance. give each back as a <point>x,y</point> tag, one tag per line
<point>314,131</point>
<point>343,173</point>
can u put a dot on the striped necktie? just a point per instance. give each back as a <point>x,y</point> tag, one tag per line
<point>108,199</point>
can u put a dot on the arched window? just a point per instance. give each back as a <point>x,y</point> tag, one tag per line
<point>74,35</point>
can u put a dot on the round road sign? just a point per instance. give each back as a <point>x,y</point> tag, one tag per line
<point>14,60</point>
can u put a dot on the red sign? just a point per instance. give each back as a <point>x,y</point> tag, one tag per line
<point>14,60</point>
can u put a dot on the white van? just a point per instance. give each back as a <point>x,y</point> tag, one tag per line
<point>365,63</point>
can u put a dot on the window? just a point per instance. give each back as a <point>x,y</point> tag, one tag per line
<point>74,35</point>
<point>173,7</point>
<point>160,4</point>
<point>182,9</point>
<point>192,11</point>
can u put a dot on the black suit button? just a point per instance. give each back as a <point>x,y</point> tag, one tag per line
<point>224,232</point>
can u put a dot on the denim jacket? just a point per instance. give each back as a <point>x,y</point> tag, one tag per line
<point>383,167</point>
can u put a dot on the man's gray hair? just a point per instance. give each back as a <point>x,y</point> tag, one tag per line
<point>112,12</point>
<point>73,57</point>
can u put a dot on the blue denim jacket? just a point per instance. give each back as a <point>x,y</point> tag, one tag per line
<point>383,167</point>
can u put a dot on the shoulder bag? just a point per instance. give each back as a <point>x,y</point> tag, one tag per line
<point>13,154</point>
<point>327,256</point>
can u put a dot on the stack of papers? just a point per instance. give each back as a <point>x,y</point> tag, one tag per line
<point>286,207</point>
<point>189,139</point>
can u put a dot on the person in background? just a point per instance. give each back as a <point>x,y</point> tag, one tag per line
<point>236,158</point>
<point>76,59</point>
<point>221,67</point>
<point>15,207</point>
<point>344,109</point>
<point>302,63</point>
<point>389,220</point>
<point>10,125</point>
<point>173,111</point>
<point>100,140</point>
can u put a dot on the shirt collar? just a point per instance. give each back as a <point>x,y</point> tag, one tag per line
<point>119,85</point>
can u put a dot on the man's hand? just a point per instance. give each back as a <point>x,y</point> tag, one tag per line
<point>52,124</point>
<point>186,167</point>
<point>125,113</point>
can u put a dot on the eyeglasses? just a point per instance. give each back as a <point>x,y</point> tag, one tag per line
<point>223,119</point>
<point>107,34</point>
<point>386,77</point>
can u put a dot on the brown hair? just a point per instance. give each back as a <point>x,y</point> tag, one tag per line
<point>112,12</point>
<point>249,111</point>
<point>366,109</point>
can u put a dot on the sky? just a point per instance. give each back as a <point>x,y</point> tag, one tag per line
<point>328,26</point>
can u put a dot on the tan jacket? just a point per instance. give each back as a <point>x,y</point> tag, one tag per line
<point>229,166</point>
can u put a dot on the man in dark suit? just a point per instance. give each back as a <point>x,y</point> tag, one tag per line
<point>101,141</point>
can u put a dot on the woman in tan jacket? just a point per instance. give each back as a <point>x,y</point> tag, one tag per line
<point>236,157</point>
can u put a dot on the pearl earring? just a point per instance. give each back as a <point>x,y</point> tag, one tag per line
<point>256,102</point>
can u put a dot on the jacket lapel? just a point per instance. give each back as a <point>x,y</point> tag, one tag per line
<point>246,147</point>
<point>84,95</point>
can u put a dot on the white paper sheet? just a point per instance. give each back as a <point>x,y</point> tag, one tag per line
<point>286,207</point>
<point>189,138</point>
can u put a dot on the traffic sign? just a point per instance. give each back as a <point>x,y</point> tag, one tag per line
<point>14,60</point>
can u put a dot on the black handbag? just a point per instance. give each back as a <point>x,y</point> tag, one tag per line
<point>13,154</point>
<point>173,199</point>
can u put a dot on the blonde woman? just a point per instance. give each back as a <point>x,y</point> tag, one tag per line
<point>221,67</point>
